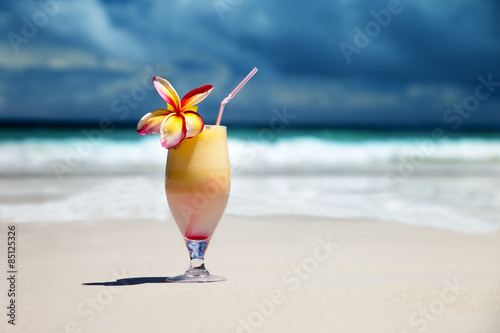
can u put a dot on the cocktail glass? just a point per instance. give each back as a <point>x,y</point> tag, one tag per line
<point>197,184</point>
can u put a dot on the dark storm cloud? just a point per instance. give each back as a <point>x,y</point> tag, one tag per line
<point>89,59</point>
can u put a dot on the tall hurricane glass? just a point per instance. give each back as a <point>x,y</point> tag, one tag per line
<point>197,184</point>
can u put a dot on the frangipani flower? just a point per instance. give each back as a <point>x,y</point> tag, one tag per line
<point>179,120</point>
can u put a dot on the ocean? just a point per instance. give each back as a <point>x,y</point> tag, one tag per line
<point>442,180</point>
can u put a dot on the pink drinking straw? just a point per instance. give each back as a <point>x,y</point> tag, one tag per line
<point>231,95</point>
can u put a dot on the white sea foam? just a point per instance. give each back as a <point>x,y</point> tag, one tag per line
<point>77,180</point>
<point>302,155</point>
<point>467,204</point>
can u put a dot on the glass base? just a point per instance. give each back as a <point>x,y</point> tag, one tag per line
<point>195,278</point>
<point>196,273</point>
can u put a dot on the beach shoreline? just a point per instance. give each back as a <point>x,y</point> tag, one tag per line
<point>285,273</point>
<point>465,202</point>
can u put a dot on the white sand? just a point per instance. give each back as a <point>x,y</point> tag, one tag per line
<point>375,277</point>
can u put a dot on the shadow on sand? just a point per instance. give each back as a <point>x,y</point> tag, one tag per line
<point>129,281</point>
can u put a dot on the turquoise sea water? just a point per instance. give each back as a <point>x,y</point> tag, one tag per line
<point>402,176</point>
<point>255,150</point>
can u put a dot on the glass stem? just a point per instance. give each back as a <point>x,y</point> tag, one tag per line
<point>197,249</point>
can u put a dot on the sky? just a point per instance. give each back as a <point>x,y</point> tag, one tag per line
<point>326,63</point>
